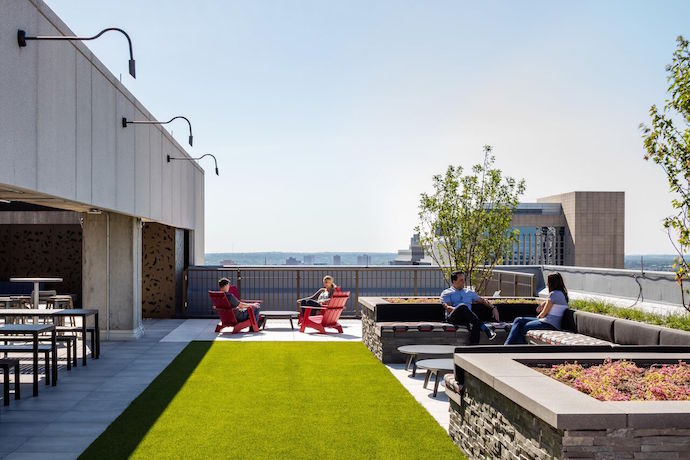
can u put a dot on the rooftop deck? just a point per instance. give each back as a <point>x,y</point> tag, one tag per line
<point>66,419</point>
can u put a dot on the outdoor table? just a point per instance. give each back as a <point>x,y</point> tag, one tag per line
<point>280,314</point>
<point>35,330</point>
<point>83,313</point>
<point>36,282</point>
<point>438,367</point>
<point>415,351</point>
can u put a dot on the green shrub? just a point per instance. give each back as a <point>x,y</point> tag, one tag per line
<point>675,321</point>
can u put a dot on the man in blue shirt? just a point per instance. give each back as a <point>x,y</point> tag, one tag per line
<point>458,300</point>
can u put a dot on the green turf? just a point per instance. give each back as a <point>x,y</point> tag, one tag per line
<point>274,400</point>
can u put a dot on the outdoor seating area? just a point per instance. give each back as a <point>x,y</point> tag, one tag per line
<point>317,230</point>
<point>388,326</point>
<point>40,337</point>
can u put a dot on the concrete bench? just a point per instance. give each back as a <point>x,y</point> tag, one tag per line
<point>5,365</point>
<point>551,337</point>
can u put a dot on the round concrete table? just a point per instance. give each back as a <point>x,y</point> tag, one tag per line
<point>280,314</point>
<point>438,367</point>
<point>415,351</point>
<point>36,282</point>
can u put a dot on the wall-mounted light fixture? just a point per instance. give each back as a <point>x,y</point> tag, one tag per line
<point>126,122</point>
<point>22,38</point>
<point>198,158</point>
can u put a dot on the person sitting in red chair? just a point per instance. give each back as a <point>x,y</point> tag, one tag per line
<point>239,308</point>
<point>320,297</point>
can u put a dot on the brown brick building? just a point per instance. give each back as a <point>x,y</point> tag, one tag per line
<point>583,229</point>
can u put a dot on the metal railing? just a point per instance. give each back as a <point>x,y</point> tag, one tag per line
<point>280,286</point>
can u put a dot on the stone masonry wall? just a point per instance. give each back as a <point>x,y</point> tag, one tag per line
<point>43,250</point>
<point>158,271</point>
<point>385,346</point>
<point>488,425</point>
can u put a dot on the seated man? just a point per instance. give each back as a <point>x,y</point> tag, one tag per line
<point>457,300</point>
<point>239,309</point>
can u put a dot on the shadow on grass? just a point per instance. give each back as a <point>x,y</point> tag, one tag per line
<point>123,436</point>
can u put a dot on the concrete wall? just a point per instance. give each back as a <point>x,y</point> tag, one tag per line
<point>61,135</point>
<point>112,274</point>
<point>658,287</point>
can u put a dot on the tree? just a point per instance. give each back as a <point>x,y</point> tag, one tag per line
<point>465,224</point>
<point>667,143</point>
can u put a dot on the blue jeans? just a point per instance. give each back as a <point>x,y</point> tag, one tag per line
<point>522,325</point>
<point>243,315</point>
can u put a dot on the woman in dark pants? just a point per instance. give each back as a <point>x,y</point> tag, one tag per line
<point>320,297</point>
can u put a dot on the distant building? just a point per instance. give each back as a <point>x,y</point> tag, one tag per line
<point>228,262</point>
<point>582,229</point>
<point>308,260</point>
<point>336,260</point>
<point>292,261</point>
<point>364,259</point>
<point>413,256</point>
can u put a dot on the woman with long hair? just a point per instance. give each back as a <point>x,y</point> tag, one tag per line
<point>320,297</point>
<point>550,312</point>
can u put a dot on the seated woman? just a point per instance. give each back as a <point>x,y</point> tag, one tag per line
<point>320,297</point>
<point>550,312</point>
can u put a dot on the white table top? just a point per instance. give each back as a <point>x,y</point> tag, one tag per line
<point>36,280</point>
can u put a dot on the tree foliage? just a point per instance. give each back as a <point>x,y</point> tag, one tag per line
<point>667,143</point>
<point>465,224</point>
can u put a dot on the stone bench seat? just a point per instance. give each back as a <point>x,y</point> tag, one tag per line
<point>427,326</point>
<point>414,326</point>
<point>562,338</point>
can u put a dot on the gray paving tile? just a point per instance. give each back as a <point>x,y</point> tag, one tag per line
<point>79,416</point>
<point>21,429</point>
<point>102,405</point>
<point>56,444</point>
<point>119,386</point>
<point>29,416</point>
<point>42,456</point>
<point>9,443</point>
<point>75,429</point>
<point>41,404</point>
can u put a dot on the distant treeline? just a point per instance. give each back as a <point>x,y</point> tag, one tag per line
<point>280,258</point>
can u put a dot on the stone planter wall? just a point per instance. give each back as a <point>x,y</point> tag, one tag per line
<point>488,425</point>
<point>369,337</point>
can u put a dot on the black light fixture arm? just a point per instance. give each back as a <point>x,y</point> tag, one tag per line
<point>198,158</point>
<point>126,122</point>
<point>22,38</point>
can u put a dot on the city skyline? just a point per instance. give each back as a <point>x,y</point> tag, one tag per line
<point>370,100</point>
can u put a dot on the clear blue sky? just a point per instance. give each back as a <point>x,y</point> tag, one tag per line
<point>329,118</point>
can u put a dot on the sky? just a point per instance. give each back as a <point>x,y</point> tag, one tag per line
<point>329,118</point>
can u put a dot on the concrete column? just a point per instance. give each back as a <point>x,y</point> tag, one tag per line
<point>111,282</point>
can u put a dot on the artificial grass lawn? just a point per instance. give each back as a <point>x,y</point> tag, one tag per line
<point>274,400</point>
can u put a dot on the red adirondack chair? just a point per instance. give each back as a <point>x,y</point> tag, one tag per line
<point>330,314</point>
<point>227,316</point>
<point>233,290</point>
